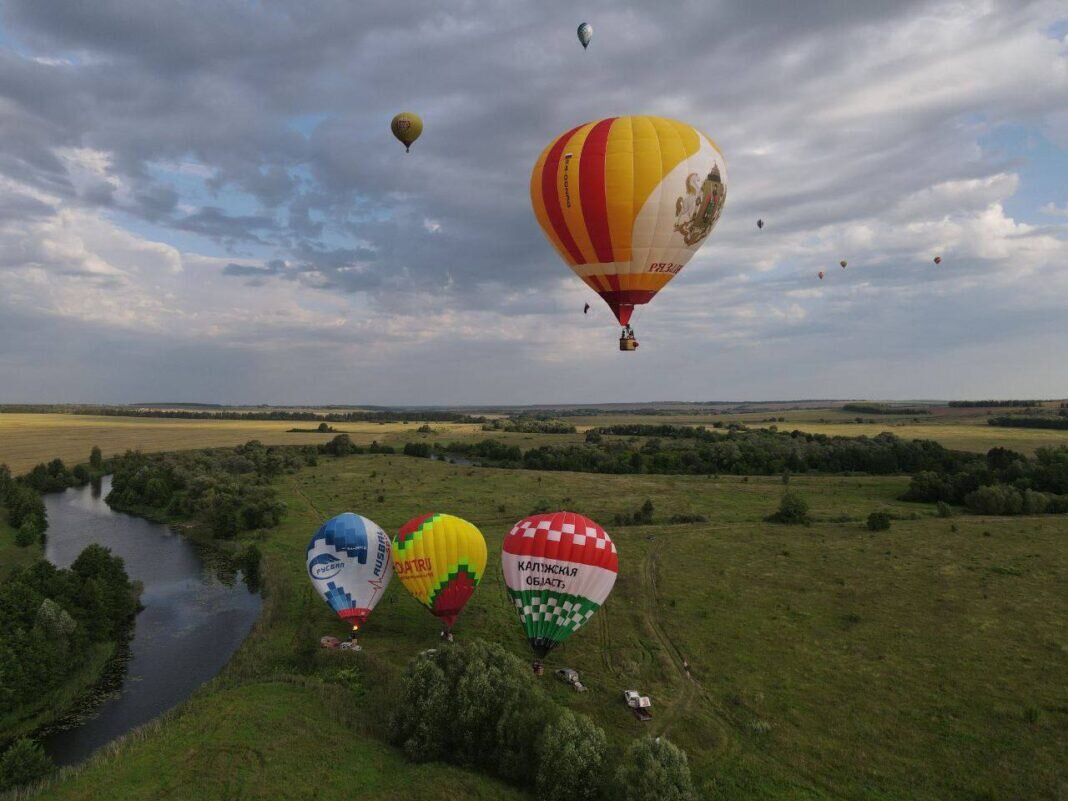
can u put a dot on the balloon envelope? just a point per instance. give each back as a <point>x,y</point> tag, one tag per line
<point>938,260</point>
<point>440,559</point>
<point>350,564</point>
<point>627,201</point>
<point>760,223</point>
<point>585,34</point>
<point>821,275</point>
<point>559,568</point>
<point>406,126</point>
<point>843,263</point>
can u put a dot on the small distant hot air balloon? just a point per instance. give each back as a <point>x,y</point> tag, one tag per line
<point>760,223</point>
<point>626,202</point>
<point>587,309</point>
<point>407,126</point>
<point>821,275</point>
<point>585,34</point>
<point>350,565</point>
<point>937,259</point>
<point>440,559</point>
<point>559,568</point>
<point>843,262</point>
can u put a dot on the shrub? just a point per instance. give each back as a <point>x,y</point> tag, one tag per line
<point>793,510</point>
<point>944,509</point>
<point>654,770</point>
<point>22,763</point>
<point>688,519</point>
<point>571,757</point>
<point>879,521</point>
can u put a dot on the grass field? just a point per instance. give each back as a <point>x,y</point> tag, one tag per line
<point>926,662</point>
<point>27,439</point>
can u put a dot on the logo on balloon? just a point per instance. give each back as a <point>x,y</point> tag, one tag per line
<point>325,566</point>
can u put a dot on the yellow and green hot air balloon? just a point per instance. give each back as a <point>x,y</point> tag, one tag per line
<point>627,201</point>
<point>440,559</point>
<point>406,127</point>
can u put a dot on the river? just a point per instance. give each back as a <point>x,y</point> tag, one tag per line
<point>197,611</point>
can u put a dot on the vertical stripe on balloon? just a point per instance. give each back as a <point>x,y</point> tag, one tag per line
<point>592,189</point>
<point>552,199</point>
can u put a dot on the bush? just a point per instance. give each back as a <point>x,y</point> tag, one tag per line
<point>944,509</point>
<point>879,521</point>
<point>996,499</point>
<point>688,519</point>
<point>793,510</point>
<point>478,705</point>
<point>22,763</point>
<point>654,770</point>
<point>421,450</point>
<point>571,757</point>
<point>28,533</point>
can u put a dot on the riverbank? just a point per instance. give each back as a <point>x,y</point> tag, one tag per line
<point>55,706</point>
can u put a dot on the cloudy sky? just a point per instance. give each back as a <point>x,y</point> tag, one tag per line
<point>202,201</point>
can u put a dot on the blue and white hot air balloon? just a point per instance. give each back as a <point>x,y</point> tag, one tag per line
<point>350,563</point>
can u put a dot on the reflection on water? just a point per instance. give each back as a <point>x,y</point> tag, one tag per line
<point>196,613</point>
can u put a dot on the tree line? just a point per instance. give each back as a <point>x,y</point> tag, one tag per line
<point>1018,421</point>
<point>529,424</point>
<point>282,414</point>
<point>477,705</point>
<point>1003,482</point>
<point>225,490</point>
<point>880,408</point>
<point>980,404</point>
<point>684,450</point>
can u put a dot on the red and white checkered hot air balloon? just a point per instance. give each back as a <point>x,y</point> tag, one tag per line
<point>559,569</point>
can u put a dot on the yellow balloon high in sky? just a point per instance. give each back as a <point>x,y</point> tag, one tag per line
<point>440,559</point>
<point>406,126</point>
<point>627,201</point>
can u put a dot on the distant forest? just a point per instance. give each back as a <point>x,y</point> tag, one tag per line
<point>879,408</point>
<point>1013,421</point>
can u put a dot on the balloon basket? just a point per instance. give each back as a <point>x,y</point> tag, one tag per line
<point>628,343</point>
<point>539,668</point>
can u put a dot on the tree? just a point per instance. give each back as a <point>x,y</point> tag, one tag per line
<point>341,445</point>
<point>793,510</point>
<point>22,763</point>
<point>879,521</point>
<point>96,459</point>
<point>654,770</point>
<point>571,757</point>
<point>324,428</point>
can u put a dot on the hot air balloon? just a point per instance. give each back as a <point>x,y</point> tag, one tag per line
<point>627,201</point>
<point>586,310</point>
<point>585,34</point>
<point>350,565</point>
<point>843,262</point>
<point>821,274</point>
<point>440,559</point>
<point>406,127</point>
<point>760,223</point>
<point>559,568</point>
<point>937,259</point>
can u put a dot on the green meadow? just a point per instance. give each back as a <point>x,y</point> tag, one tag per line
<point>826,661</point>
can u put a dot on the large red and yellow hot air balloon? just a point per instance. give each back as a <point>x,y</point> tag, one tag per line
<point>627,201</point>
<point>440,559</point>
